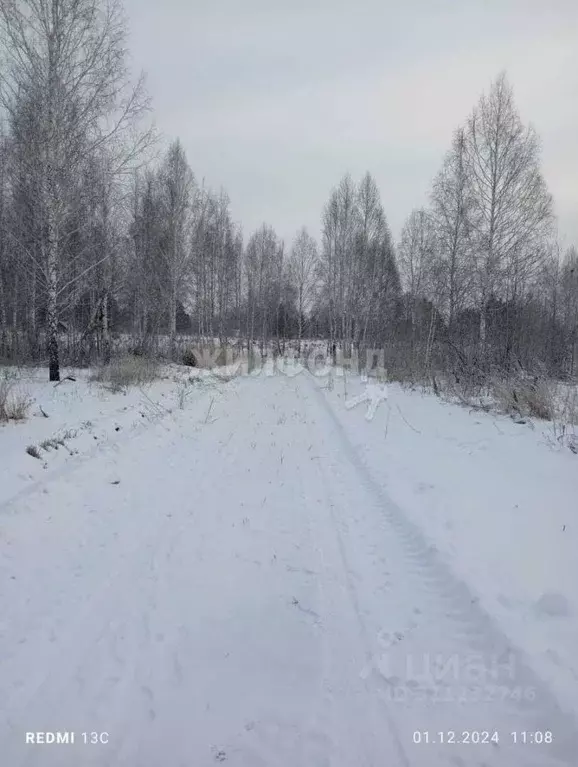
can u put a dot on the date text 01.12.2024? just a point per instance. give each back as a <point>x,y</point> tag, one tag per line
<point>481,736</point>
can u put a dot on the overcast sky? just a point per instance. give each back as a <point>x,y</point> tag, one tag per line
<point>275,100</point>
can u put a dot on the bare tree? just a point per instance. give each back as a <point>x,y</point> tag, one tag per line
<point>67,58</point>
<point>145,271</point>
<point>263,269</point>
<point>340,228</point>
<point>569,304</point>
<point>513,209</point>
<point>416,255</point>
<point>303,272</point>
<point>5,266</point>
<point>176,188</point>
<point>452,217</point>
<point>371,243</point>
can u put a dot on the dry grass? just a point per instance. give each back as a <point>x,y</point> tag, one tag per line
<point>565,425</point>
<point>568,406</point>
<point>14,405</point>
<point>123,372</point>
<point>526,396</point>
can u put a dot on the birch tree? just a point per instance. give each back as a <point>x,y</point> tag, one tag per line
<point>68,59</point>
<point>569,301</point>
<point>144,290</point>
<point>340,228</point>
<point>370,240</point>
<point>5,266</point>
<point>512,205</point>
<point>303,271</point>
<point>263,267</point>
<point>416,255</point>
<point>453,219</point>
<point>176,188</point>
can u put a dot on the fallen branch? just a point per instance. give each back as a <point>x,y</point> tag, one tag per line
<point>209,410</point>
<point>66,378</point>
<point>407,422</point>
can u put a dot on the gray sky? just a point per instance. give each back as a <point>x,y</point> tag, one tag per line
<point>275,101</point>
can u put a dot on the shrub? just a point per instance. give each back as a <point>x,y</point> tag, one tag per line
<point>208,357</point>
<point>526,396</point>
<point>189,358</point>
<point>123,372</point>
<point>14,405</point>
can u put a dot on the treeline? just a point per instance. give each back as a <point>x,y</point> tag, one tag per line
<point>482,267</point>
<point>103,235</point>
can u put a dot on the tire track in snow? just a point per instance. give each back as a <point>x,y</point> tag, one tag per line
<point>219,591</point>
<point>275,740</point>
<point>446,609</point>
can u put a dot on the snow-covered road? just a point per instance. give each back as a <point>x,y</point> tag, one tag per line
<point>248,593</point>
